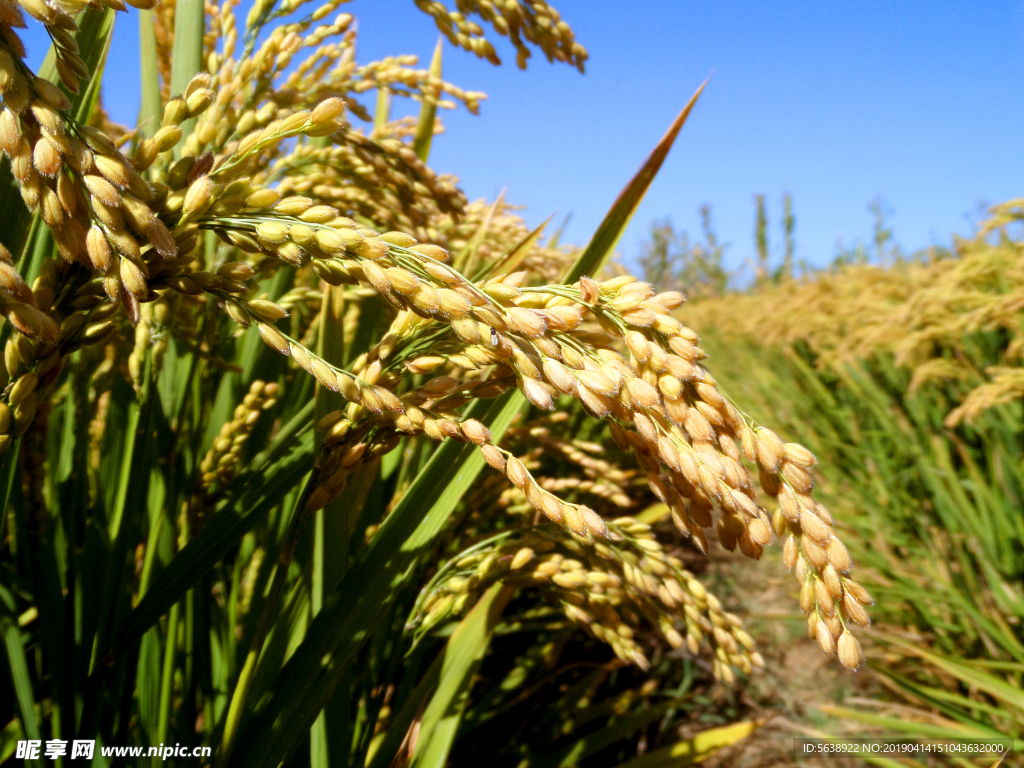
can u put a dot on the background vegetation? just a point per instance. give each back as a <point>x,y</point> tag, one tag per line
<point>902,374</point>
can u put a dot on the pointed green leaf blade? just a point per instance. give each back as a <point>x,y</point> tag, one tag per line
<point>465,260</point>
<point>346,621</point>
<point>187,55</point>
<point>1011,695</point>
<point>515,255</point>
<point>272,474</point>
<point>428,111</point>
<point>150,109</point>
<point>912,728</point>
<point>616,220</point>
<point>96,30</point>
<point>465,649</point>
<point>18,666</point>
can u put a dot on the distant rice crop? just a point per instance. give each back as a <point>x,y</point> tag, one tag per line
<point>905,380</point>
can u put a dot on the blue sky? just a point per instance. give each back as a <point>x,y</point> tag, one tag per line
<point>836,103</point>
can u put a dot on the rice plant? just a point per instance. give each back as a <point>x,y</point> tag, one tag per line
<point>308,460</point>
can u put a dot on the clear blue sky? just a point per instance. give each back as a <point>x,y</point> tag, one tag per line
<point>836,103</point>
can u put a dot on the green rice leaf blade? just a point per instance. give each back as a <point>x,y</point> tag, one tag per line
<point>901,725</point>
<point>17,665</point>
<point>187,55</point>
<point>428,110</point>
<point>96,30</point>
<point>150,108</point>
<point>994,686</point>
<point>279,470</point>
<point>608,233</point>
<point>385,752</point>
<point>601,738</point>
<point>346,620</point>
<point>462,657</point>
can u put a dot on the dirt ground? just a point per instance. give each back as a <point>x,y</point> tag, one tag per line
<point>798,677</point>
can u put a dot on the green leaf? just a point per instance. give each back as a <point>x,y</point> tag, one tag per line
<point>96,30</point>
<point>347,619</point>
<point>187,55</point>
<point>9,738</point>
<point>428,109</point>
<point>992,685</point>
<point>383,754</point>
<point>167,677</point>
<point>607,236</point>
<point>17,224</point>
<point>902,725</point>
<point>271,475</point>
<point>18,666</point>
<point>462,658</point>
<point>129,506</point>
<point>614,731</point>
<point>9,475</point>
<point>515,255</point>
<point>465,260</point>
<point>331,525</point>
<point>382,112</point>
<point>950,704</point>
<point>919,730</point>
<point>150,110</point>
<point>556,238</point>
<point>138,421</point>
